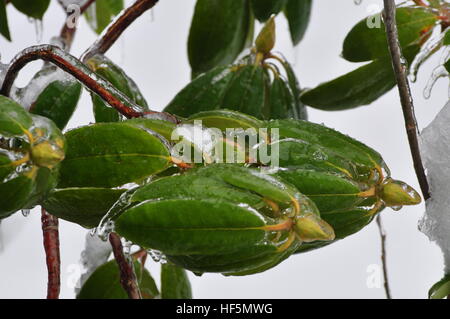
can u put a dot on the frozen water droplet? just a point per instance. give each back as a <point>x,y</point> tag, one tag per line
<point>438,72</point>
<point>157,256</point>
<point>26,212</point>
<point>39,29</point>
<point>357,2</point>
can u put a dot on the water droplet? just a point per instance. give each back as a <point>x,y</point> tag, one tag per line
<point>357,2</point>
<point>396,208</point>
<point>26,212</point>
<point>157,256</point>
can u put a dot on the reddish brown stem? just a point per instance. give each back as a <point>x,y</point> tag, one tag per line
<point>420,3</point>
<point>127,274</point>
<point>82,73</point>
<point>51,245</point>
<point>115,30</point>
<point>400,71</point>
<point>68,33</point>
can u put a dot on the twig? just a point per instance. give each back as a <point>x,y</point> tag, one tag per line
<point>82,73</point>
<point>67,33</point>
<point>117,27</point>
<point>51,246</point>
<point>127,274</point>
<point>383,257</point>
<point>420,3</point>
<point>406,99</point>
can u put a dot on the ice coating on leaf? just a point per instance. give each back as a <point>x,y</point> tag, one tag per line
<point>435,150</point>
<point>95,254</point>
<point>29,94</point>
<point>429,48</point>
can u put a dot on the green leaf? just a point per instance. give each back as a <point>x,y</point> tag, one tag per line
<point>83,206</point>
<point>441,289</point>
<point>242,262</point>
<point>246,92</point>
<point>174,282</point>
<point>15,194</point>
<point>365,44</point>
<point>110,155</point>
<point>101,13</point>
<point>185,227</point>
<point>58,100</point>
<point>263,9</point>
<point>282,104</point>
<point>298,13</point>
<point>218,33</point>
<point>4,28</point>
<point>204,93</point>
<point>104,283</point>
<point>300,111</point>
<point>45,180</point>
<point>223,119</point>
<point>164,128</point>
<point>6,166</point>
<point>111,72</point>
<point>447,38</point>
<point>447,66</point>
<point>360,87</point>
<point>14,120</point>
<point>34,9</point>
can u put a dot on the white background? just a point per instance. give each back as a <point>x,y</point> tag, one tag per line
<point>153,52</point>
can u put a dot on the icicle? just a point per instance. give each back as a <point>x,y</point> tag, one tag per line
<point>39,29</point>
<point>431,46</point>
<point>438,72</point>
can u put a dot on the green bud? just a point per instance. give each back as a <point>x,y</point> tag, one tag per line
<point>310,227</point>
<point>397,193</point>
<point>266,39</point>
<point>47,154</point>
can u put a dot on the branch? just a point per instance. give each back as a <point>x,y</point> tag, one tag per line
<point>51,246</point>
<point>127,275</point>
<point>406,99</point>
<point>68,33</point>
<point>383,257</point>
<point>82,73</point>
<point>117,27</point>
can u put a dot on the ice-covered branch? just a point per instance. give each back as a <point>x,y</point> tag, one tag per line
<point>127,274</point>
<point>117,27</point>
<point>400,70</point>
<point>51,245</point>
<point>82,73</point>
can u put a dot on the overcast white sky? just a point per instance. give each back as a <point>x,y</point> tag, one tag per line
<point>153,52</point>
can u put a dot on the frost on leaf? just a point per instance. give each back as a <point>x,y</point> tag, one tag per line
<point>435,151</point>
